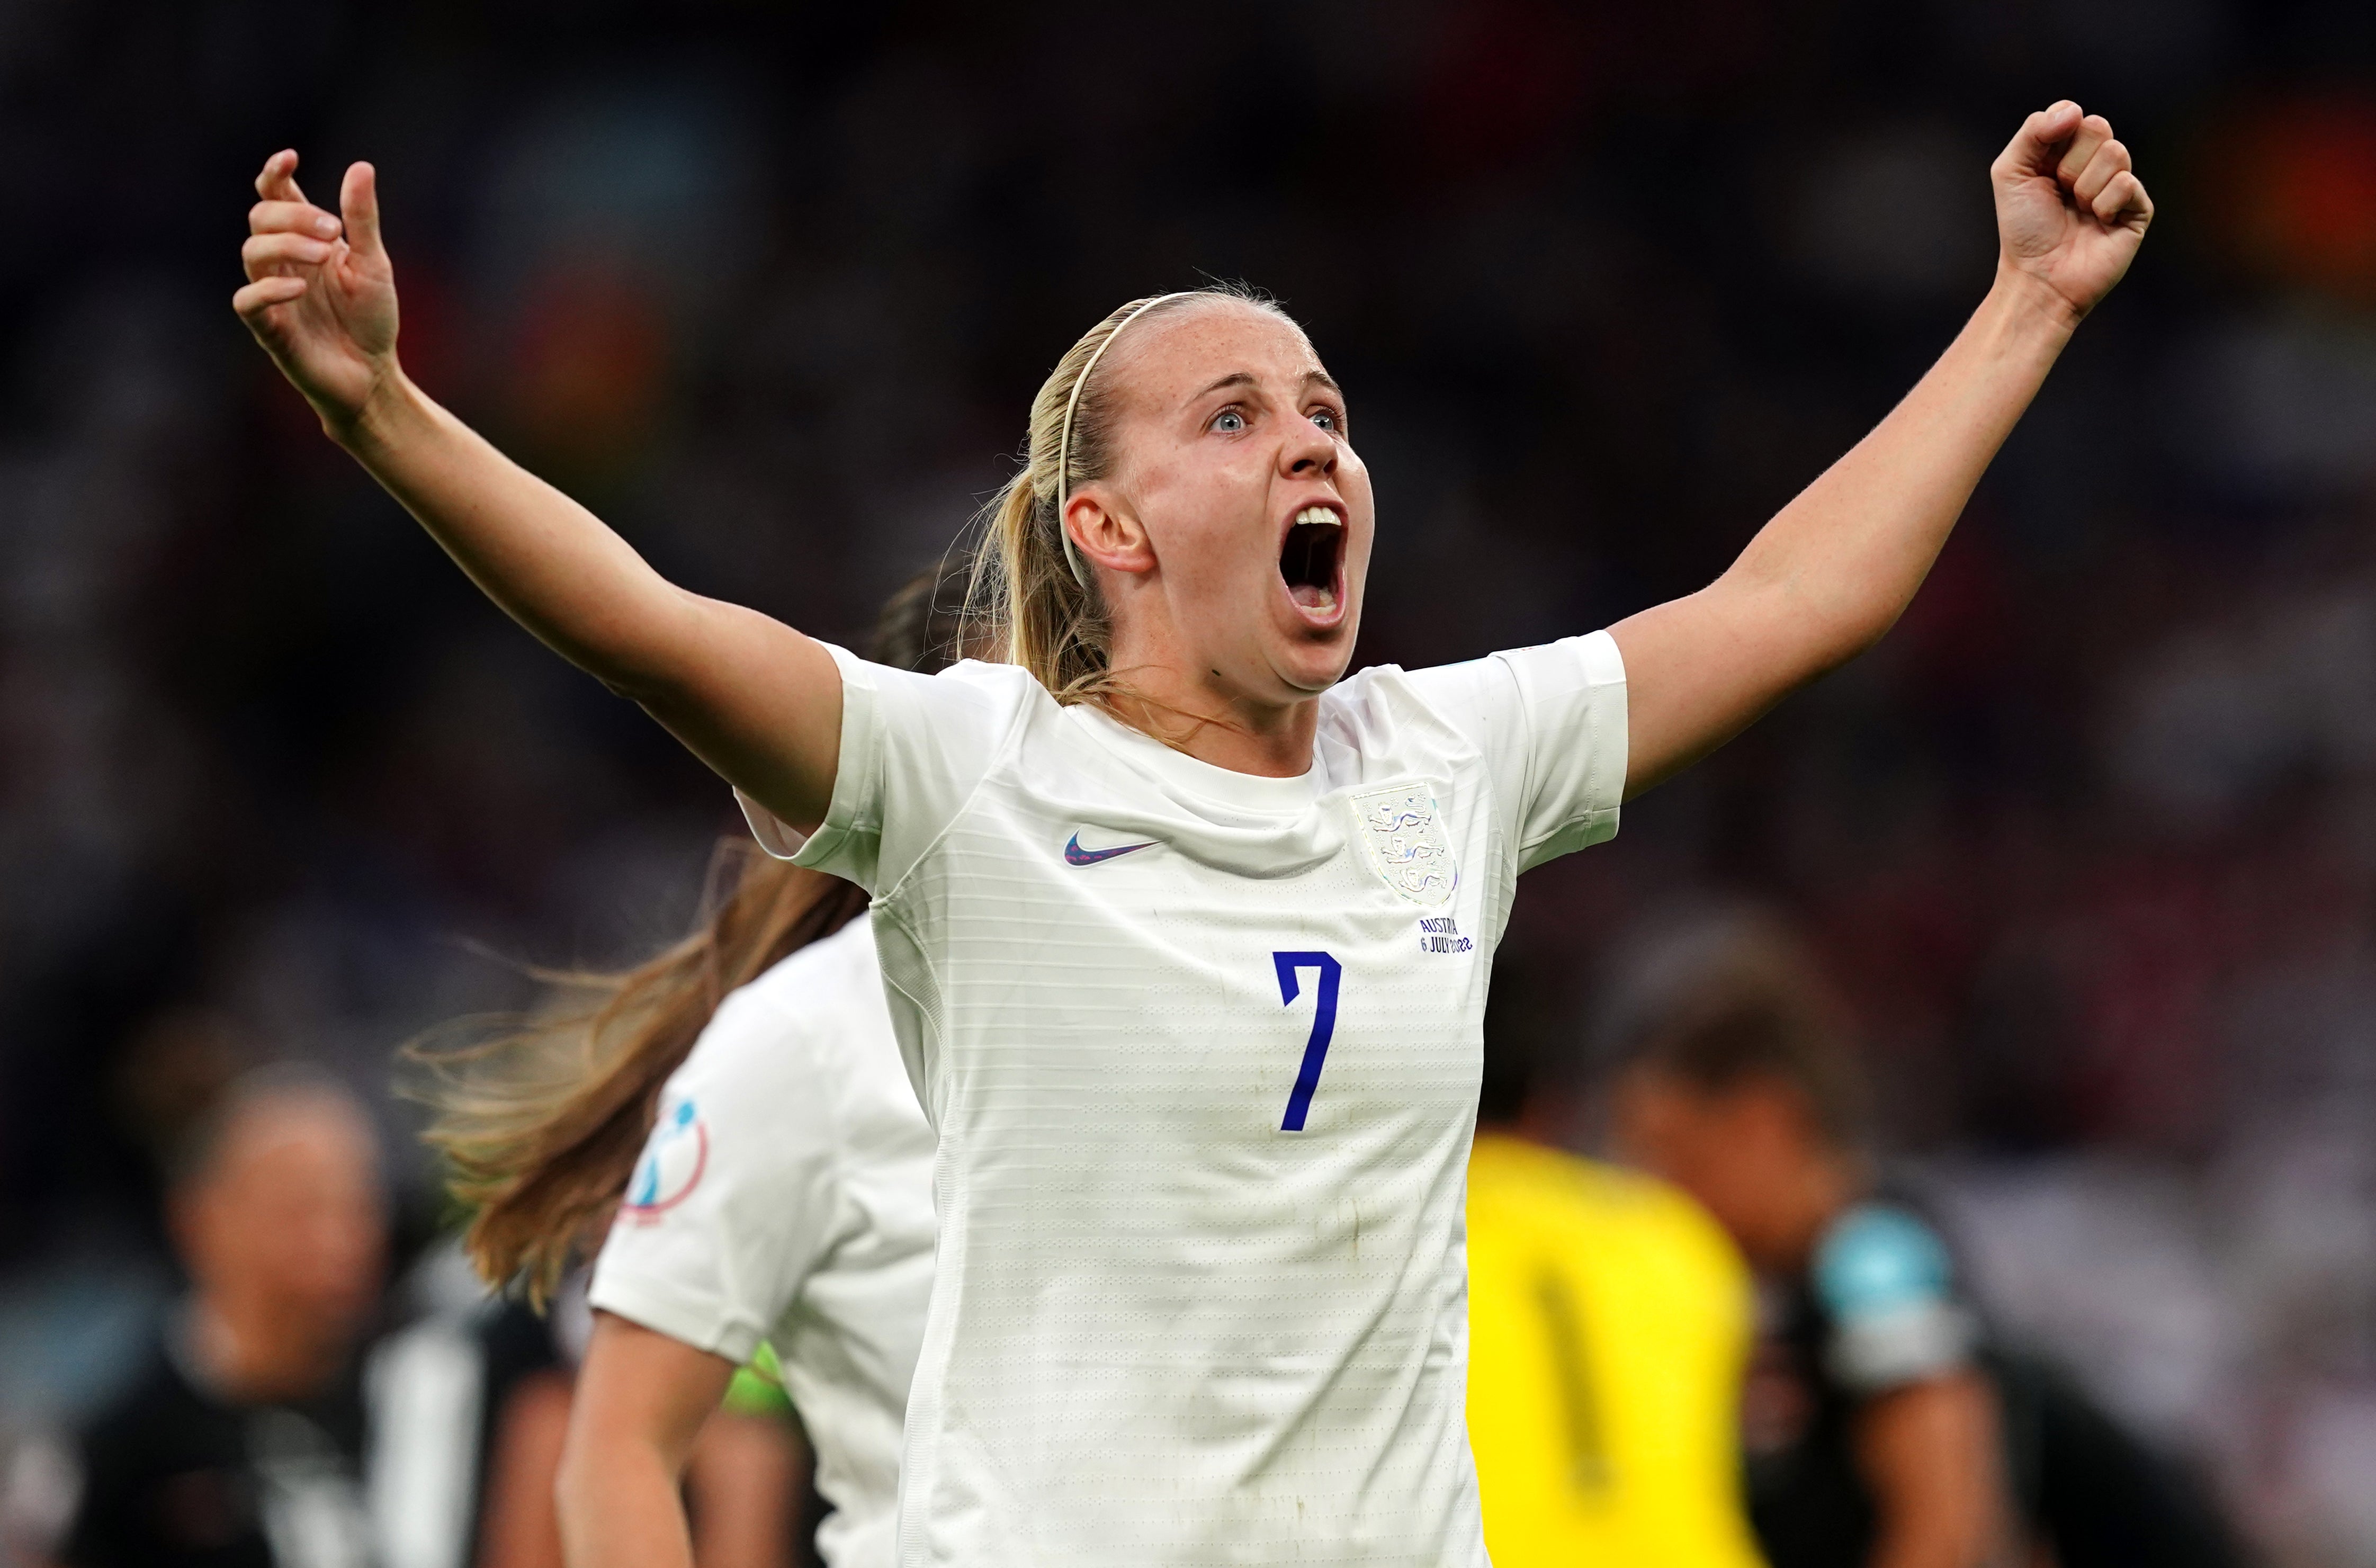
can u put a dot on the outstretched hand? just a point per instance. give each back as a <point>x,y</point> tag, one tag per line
<point>2070,212</point>
<point>321,295</point>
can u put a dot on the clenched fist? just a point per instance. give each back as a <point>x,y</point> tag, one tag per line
<point>2070,212</point>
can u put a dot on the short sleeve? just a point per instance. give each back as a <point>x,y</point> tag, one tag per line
<point>1551,723</point>
<point>913,747</point>
<point>732,1204</point>
<point>1885,1284</point>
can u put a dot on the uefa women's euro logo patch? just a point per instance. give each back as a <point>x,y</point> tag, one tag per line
<point>1404,834</point>
<point>674,1158</point>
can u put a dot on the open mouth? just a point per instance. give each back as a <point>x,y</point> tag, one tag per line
<point>1310,558</point>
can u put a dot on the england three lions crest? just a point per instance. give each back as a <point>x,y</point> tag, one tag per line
<point>1403,833</point>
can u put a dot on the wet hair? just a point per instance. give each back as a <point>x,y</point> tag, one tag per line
<point>1758,1011</point>
<point>541,1124</point>
<point>1024,595</point>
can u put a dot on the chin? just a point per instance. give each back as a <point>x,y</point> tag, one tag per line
<point>1311,669</point>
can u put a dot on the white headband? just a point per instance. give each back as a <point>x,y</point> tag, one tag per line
<point>1064,441</point>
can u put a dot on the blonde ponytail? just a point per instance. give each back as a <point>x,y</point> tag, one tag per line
<point>1023,594</point>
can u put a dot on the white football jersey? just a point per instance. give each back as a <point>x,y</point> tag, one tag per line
<point>786,1193</point>
<point>1202,1050</point>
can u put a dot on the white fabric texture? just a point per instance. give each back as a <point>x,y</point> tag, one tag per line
<point>787,1193</point>
<point>1168,1326</point>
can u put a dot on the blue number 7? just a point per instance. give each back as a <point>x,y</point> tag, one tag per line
<point>1324,1024</point>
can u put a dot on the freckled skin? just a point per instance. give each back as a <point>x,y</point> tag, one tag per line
<point>1186,530</point>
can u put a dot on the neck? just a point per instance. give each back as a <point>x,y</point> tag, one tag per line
<point>1211,719</point>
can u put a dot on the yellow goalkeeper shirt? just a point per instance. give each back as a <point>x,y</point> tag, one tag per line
<point>1609,1322</point>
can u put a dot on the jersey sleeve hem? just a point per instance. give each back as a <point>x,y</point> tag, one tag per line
<point>1885,1277</point>
<point>689,1320</point>
<point>1600,667</point>
<point>770,830</point>
<point>1886,1350</point>
<point>852,776</point>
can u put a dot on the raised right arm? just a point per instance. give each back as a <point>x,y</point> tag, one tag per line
<point>754,699</point>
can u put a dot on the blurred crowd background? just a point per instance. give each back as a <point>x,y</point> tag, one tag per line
<point>2090,842</point>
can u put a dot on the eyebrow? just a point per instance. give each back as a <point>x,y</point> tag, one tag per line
<point>1248,378</point>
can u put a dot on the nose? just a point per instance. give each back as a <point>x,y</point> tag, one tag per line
<point>1308,451</point>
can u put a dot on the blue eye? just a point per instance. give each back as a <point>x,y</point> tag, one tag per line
<point>1324,418</point>
<point>1230,421</point>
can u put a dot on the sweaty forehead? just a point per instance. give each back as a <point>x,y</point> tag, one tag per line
<point>1172,356</point>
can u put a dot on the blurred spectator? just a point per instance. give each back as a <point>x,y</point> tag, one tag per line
<point>1884,1429</point>
<point>467,1404</point>
<point>239,1446</point>
<point>520,1526</point>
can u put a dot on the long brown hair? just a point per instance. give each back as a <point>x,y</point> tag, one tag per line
<point>542,1121</point>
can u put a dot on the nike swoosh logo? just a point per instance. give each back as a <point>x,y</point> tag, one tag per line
<point>1076,856</point>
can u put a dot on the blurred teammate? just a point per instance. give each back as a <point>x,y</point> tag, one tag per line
<point>241,1443</point>
<point>782,1202</point>
<point>1189,934</point>
<point>1609,1324</point>
<point>1885,1431</point>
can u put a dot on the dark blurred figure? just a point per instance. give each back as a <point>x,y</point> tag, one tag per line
<point>468,1404</point>
<point>240,1445</point>
<point>1883,1428</point>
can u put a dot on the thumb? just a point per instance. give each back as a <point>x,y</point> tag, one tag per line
<point>2033,148</point>
<point>359,206</point>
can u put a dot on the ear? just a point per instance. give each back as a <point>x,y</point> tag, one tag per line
<point>1106,533</point>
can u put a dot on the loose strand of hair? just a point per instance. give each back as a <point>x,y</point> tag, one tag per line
<point>541,1119</point>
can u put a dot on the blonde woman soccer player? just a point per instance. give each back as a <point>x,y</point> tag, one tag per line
<point>1187,932</point>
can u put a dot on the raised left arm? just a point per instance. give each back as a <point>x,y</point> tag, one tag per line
<point>1835,569</point>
